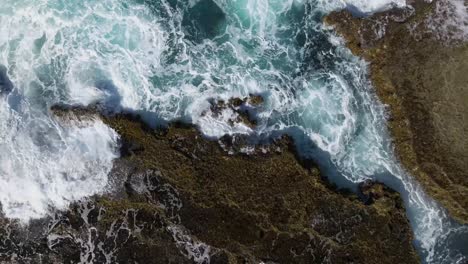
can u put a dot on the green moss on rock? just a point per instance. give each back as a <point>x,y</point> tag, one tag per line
<point>423,79</point>
<point>267,206</point>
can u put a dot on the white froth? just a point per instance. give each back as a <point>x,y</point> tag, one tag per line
<point>450,21</point>
<point>193,249</point>
<point>71,45</point>
<point>56,52</point>
<point>45,164</point>
<point>363,6</point>
<point>60,51</point>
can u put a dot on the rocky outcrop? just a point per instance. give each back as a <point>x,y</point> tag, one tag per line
<point>243,109</point>
<point>177,197</point>
<point>5,84</point>
<point>267,206</point>
<point>418,63</point>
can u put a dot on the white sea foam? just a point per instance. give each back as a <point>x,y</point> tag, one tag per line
<point>363,6</point>
<point>73,52</point>
<point>138,57</point>
<point>44,163</point>
<point>193,249</point>
<point>450,21</point>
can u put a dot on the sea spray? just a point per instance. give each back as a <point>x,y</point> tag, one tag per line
<point>162,57</point>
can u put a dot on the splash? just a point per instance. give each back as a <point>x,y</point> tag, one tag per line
<point>363,7</point>
<point>45,164</point>
<point>450,21</point>
<point>164,60</point>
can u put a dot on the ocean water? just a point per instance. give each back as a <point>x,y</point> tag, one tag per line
<point>168,59</point>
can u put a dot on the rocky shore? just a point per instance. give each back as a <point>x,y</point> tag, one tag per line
<point>418,61</point>
<point>180,198</point>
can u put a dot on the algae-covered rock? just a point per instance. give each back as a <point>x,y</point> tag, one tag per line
<point>418,64</point>
<point>266,206</point>
<point>177,197</point>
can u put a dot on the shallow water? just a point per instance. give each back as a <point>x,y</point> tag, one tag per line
<point>166,59</point>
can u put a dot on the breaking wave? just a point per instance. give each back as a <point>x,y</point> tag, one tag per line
<point>165,58</point>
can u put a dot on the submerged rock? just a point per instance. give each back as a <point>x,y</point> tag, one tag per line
<point>418,63</point>
<point>204,20</point>
<point>5,84</point>
<point>243,108</point>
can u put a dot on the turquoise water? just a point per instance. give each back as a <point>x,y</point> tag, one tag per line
<point>168,60</point>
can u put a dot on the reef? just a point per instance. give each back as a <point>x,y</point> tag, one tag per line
<point>178,197</point>
<point>418,60</point>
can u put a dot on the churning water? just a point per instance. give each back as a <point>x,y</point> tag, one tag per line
<point>171,58</point>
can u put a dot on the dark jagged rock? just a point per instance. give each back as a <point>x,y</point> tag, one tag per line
<point>418,67</point>
<point>180,198</point>
<point>103,229</point>
<point>267,207</point>
<point>243,107</point>
<point>5,84</point>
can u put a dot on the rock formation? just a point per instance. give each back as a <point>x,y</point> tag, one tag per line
<point>418,64</point>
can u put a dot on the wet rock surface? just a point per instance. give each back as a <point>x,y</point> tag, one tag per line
<point>418,63</point>
<point>177,197</point>
<point>243,108</point>
<point>5,84</point>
